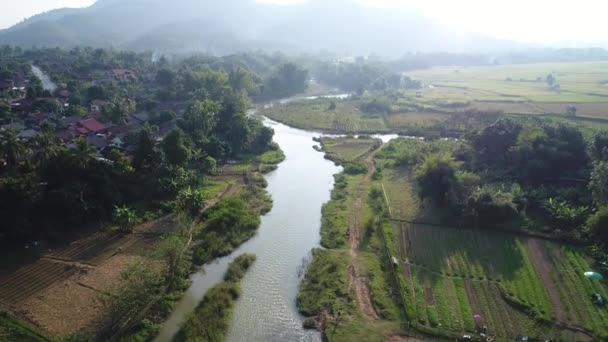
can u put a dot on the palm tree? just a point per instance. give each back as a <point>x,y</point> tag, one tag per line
<point>11,148</point>
<point>83,153</point>
<point>45,148</point>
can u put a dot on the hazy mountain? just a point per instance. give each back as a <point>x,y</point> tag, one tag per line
<point>221,27</point>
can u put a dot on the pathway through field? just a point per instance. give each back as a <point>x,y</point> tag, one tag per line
<point>359,282</point>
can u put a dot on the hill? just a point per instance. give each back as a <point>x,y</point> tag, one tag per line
<point>231,26</point>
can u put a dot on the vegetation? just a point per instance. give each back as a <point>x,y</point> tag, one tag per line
<point>226,226</point>
<point>211,319</point>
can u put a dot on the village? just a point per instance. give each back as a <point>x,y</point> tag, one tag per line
<point>52,111</point>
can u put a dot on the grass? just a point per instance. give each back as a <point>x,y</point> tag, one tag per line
<point>335,213</point>
<point>348,149</point>
<point>315,115</point>
<point>210,321</point>
<point>14,330</point>
<point>325,286</point>
<point>519,88</point>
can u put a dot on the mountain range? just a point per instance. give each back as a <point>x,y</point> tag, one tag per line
<point>229,26</point>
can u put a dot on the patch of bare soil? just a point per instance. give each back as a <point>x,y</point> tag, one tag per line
<point>429,296</point>
<point>65,309</point>
<point>471,297</point>
<point>543,266</point>
<point>362,293</point>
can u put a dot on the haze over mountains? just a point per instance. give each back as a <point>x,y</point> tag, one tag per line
<point>222,27</point>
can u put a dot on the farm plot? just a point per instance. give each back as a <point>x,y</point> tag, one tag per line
<point>414,120</point>
<point>347,149</point>
<point>518,88</point>
<point>316,114</point>
<point>513,283</point>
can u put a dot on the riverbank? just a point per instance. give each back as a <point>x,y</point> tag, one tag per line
<point>345,292</point>
<point>65,284</point>
<point>267,308</point>
<point>212,317</point>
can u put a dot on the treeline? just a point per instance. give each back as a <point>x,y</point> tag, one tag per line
<point>47,187</point>
<point>545,178</point>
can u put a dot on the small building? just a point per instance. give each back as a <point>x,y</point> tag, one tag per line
<point>6,85</point>
<point>123,75</point>
<point>91,126</point>
<point>97,105</point>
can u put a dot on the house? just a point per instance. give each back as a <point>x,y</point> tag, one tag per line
<point>99,142</point>
<point>117,142</point>
<point>97,105</point>
<point>6,85</point>
<point>27,134</point>
<point>65,135</point>
<point>123,75</point>
<point>91,126</point>
<point>141,117</point>
<point>64,94</point>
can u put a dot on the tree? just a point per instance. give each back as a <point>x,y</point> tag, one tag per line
<point>118,109</point>
<point>177,147</point>
<point>543,154</point>
<point>5,113</point>
<point>11,148</point>
<point>597,226</point>
<point>174,252</point>
<point>144,155</point>
<point>45,148</point>
<point>598,146</point>
<point>83,154</point>
<point>598,184</point>
<point>437,177</point>
<point>571,111</point>
<point>493,143</point>
<point>165,77</point>
<point>332,106</point>
<point>288,79</point>
<point>191,201</point>
<point>551,80</point>
<point>125,218</point>
<point>200,118</point>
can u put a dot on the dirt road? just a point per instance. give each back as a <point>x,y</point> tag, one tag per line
<point>358,281</point>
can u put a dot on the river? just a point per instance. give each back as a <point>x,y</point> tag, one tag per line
<point>47,84</point>
<point>267,308</point>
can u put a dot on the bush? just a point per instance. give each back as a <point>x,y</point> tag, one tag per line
<point>597,225</point>
<point>488,206</point>
<point>240,266</point>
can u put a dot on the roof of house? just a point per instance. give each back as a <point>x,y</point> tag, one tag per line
<point>122,72</point>
<point>96,141</point>
<point>143,116</point>
<point>65,135</point>
<point>27,134</point>
<point>92,125</point>
<point>99,102</point>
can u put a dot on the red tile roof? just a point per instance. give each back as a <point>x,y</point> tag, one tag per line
<point>92,125</point>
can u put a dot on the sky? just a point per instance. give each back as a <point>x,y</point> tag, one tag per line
<point>535,21</point>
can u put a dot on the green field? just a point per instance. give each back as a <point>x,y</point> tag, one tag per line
<point>348,149</point>
<point>499,277</point>
<point>316,114</point>
<point>519,88</point>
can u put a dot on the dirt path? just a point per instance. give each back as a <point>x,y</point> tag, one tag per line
<point>358,281</point>
<point>543,268</point>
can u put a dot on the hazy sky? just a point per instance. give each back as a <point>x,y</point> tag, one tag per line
<point>522,20</point>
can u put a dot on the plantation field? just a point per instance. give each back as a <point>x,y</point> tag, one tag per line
<point>316,115</point>
<point>518,88</point>
<point>348,149</point>
<point>514,283</point>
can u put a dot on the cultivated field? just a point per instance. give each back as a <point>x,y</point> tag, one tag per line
<point>316,114</point>
<point>519,88</point>
<point>60,293</point>
<point>347,149</point>
<point>516,284</point>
